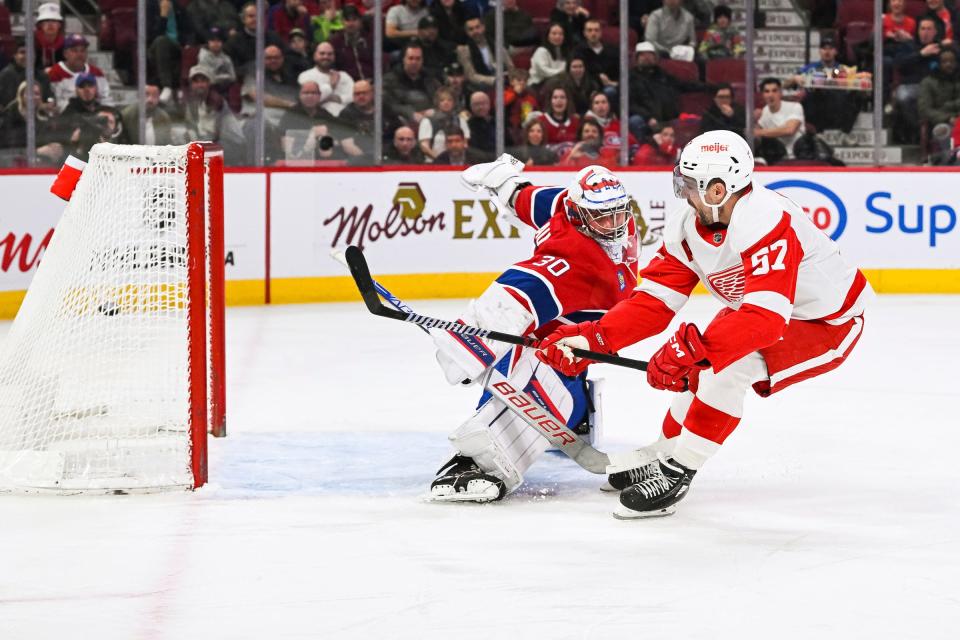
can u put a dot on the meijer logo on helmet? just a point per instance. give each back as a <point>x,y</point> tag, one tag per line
<point>716,146</point>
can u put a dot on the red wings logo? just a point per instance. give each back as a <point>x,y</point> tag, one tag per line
<point>729,283</point>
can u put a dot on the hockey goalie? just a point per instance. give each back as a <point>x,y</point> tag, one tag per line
<point>584,262</point>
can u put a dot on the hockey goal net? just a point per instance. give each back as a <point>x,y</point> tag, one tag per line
<point>113,368</point>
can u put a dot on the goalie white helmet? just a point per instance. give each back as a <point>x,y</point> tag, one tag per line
<point>598,201</point>
<point>715,155</point>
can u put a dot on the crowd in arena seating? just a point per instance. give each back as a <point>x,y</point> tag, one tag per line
<point>562,80</point>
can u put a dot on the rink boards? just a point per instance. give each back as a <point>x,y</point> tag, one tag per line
<point>429,237</point>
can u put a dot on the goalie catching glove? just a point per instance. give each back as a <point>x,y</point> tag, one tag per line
<point>555,349</point>
<point>500,177</point>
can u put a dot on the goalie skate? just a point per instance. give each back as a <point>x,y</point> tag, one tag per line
<point>461,480</point>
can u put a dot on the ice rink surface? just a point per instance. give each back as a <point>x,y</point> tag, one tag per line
<point>832,512</point>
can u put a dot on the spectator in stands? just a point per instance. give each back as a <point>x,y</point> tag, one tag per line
<point>437,53</point>
<point>602,60</point>
<point>576,81</point>
<point>89,120</point>
<point>207,14</point>
<point>779,125</point>
<point>518,29</point>
<point>16,72</point>
<point>455,80</point>
<point>723,39</point>
<point>158,121</point>
<point>305,129</point>
<point>340,84</point>
<point>403,148</point>
<point>897,25</point>
<point>431,133</point>
<point>457,153</point>
<point>533,151</point>
<point>724,113</point>
<point>219,63</point>
<point>450,16</point>
<point>287,15</point>
<point>481,125</point>
<point>50,136</point>
<point>48,36</point>
<point>658,149</point>
<point>915,61</point>
<point>242,44</point>
<point>168,29</point>
<point>402,20</point>
<point>670,26</point>
<point>572,15</point>
<point>829,108</point>
<point>477,57</point>
<point>63,75</point>
<point>939,101</point>
<point>297,54</point>
<point>327,22</point>
<point>654,94</point>
<point>550,58</point>
<point>280,88</point>
<point>353,46</point>
<point>587,149</point>
<point>207,116</point>
<point>408,89</point>
<point>640,11</point>
<point>358,117</point>
<point>602,112</point>
<point>560,122</point>
<point>518,102</point>
<point>947,17</point>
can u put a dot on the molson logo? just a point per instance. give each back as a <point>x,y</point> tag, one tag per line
<point>716,147</point>
<point>405,217</point>
<point>18,252</point>
<point>823,206</point>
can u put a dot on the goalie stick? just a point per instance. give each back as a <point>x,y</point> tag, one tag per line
<point>368,291</point>
<point>517,401</point>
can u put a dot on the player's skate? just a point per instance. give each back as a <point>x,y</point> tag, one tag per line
<point>632,467</point>
<point>461,480</point>
<point>656,496</point>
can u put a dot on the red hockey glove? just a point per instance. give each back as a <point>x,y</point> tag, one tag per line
<point>672,364</point>
<point>555,348</point>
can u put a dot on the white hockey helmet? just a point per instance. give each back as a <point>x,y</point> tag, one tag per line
<point>597,200</point>
<point>715,155</point>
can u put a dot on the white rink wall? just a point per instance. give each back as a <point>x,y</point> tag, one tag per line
<point>432,237</point>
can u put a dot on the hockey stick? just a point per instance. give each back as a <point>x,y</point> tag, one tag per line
<point>368,291</point>
<point>516,400</point>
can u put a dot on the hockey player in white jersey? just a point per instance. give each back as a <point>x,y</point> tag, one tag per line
<point>793,310</point>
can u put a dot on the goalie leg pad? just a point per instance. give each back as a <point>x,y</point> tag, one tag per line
<point>497,440</point>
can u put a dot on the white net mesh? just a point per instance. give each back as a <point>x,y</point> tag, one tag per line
<point>95,372</point>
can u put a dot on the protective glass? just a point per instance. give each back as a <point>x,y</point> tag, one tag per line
<point>683,187</point>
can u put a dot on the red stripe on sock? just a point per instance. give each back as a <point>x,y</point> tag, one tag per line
<point>709,423</point>
<point>671,428</point>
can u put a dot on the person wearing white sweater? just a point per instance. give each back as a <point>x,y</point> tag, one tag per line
<point>550,58</point>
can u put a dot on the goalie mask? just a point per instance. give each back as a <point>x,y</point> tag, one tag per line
<point>716,155</point>
<point>598,203</point>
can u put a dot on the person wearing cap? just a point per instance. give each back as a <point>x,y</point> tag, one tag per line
<point>168,29</point>
<point>654,94</point>
<point>402,21</point>
<point>437,54</point>
<point>455,80</point>
<point>89,120</point>
<point>297,54</point>
<point>669,26</point>
<point>829,108</point>
<point>63,75</point>
<point>48,35</point>
<point>212,56</point>
<point>722,39</point>
<point>287,15</point>
<point>337,85</point>
<point>353,45</point>
<point>207,116</point>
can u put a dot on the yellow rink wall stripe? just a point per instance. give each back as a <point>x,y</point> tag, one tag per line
<point>467,285</point>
